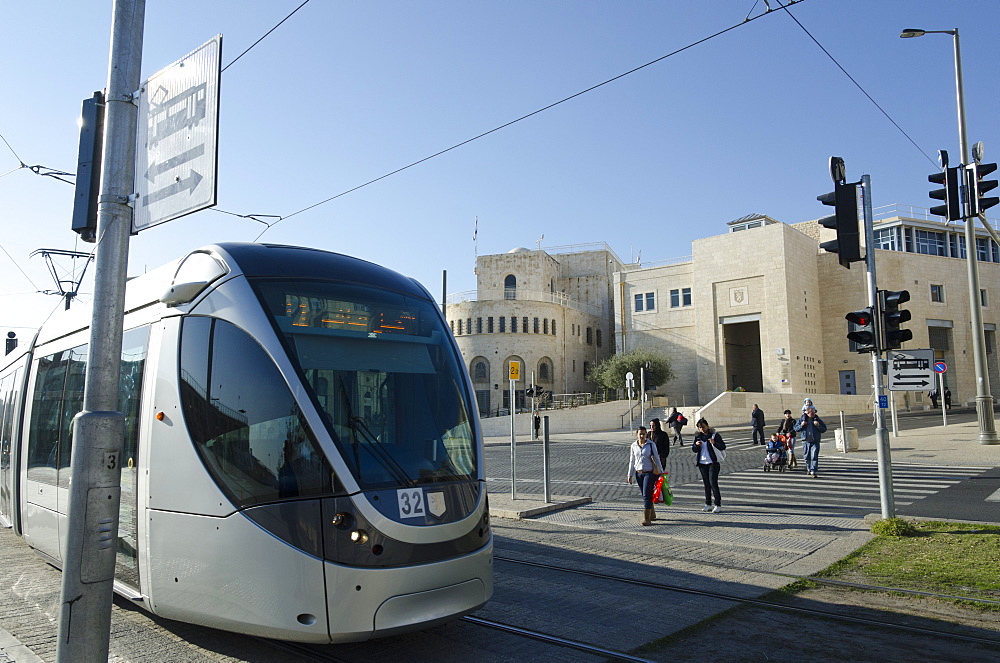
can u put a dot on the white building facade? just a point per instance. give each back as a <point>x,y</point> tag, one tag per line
<point>759,308</point>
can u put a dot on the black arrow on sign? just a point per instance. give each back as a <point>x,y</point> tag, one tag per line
<point>189,183</point>
<point>922,383</point>
<point>905,376</point>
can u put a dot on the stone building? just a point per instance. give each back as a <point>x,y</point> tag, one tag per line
<point>759,308</point>
<point>775,322</point>
<point>548,310</point>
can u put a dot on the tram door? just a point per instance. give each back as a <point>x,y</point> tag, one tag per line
<point>135,347</point>
<point>9,397</point>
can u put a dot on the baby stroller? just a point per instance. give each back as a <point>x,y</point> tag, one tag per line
<point>776,457</point>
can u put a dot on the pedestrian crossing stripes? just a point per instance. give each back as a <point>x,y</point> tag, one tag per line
<point>843,483</point>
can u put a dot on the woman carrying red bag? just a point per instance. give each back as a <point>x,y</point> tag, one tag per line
<point>644,467</point>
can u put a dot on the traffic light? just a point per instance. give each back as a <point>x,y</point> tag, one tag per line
<point>847,246</point>
<point>949,180</point>
<point>892,317</point>
<point>977,186</point>
<point>88,168</point>
<point>861,330</point>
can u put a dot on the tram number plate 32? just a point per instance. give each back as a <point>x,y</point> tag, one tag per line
<point>411,502</point>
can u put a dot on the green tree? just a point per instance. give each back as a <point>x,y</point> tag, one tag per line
<point>610,373</point>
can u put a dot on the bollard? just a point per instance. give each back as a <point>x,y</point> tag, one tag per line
<point>545,459</point>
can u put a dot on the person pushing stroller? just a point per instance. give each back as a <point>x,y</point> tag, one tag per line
<point>786,429</point>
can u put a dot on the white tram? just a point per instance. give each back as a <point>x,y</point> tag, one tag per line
<point>302,457</point>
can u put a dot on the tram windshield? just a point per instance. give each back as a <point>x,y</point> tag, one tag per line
<point>386,379</point>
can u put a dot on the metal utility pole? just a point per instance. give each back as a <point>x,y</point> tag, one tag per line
<point>98,431</point>
<point>984,401</point>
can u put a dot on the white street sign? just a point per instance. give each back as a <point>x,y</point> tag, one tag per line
<point>176,155</point>
<point>911,370</point>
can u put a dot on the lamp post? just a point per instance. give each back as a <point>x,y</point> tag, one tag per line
<point>984,401</point>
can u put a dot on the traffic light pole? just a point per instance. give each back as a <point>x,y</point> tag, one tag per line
<point>881,435</point>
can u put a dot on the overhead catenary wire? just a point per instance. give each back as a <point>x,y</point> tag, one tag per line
<point>264,36</point>
<point>515,121</point>
<point>858,85</point>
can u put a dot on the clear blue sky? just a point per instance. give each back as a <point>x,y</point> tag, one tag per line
<point>345,92</point>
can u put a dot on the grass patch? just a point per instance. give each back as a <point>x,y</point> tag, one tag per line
<point>945,558</point>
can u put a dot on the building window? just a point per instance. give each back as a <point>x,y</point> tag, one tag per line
<point>451,323</point>
<point>957,245</point>
<point>459,326</point>
<point>982,297</point>
<point>590,338</point>
<point>479,325</point>
<point>929,243</point>
<point>513,324</point>
<point>535,325</point>
<point>553,327</point>
<point>489,325</point>
<point>503,324</point>
<point>468,325</point>
<point>598,338</point>
<point>645,301</point>
<point>984,249</point>
<point>586,370</point>
<point>524,325</point>
<point>543,372</point>
<point>545,326</point>
<point>888,239</point>
<point>937,293</point>
<point>680,297</point>
<point>510,287</point>
<point>481,371</point>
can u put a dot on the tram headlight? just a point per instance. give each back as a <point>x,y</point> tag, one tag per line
<point>342,520</point>
<point>359,536</point>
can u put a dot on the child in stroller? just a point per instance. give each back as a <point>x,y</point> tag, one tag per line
<point>776,457</point>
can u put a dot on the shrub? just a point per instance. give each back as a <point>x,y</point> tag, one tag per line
<point>893,527</point>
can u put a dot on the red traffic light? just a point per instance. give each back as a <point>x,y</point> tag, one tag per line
<point>862,318</point>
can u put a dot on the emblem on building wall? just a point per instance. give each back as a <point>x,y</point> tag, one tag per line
<point>738,296</point>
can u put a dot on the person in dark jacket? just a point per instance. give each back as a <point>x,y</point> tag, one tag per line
<point>707,446</point>
<point>757,422</point>
<point>658,436</point>
<point>810,429</point>
<point>675,422</point>
<point>787,428</point>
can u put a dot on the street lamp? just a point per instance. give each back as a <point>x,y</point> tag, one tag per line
<point>984,401</point>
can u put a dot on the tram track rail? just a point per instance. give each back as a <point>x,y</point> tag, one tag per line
<point>765,603</point>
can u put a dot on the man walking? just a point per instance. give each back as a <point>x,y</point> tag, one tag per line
<point>810,428</point>
<point>675,422</point>
<point>757,423</point>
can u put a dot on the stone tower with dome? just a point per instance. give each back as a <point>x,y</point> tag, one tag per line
<point>550,309</point>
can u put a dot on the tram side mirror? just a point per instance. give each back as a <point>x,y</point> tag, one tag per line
<point>195,273</point>
<point>182,293</point>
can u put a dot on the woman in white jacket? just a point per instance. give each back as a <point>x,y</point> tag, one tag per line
<point>644,467</point>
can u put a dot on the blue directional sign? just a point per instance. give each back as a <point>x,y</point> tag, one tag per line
<point>883,401</point>
<point>176,154</point>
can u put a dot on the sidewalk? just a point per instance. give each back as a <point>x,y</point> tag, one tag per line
<point>808,543</point>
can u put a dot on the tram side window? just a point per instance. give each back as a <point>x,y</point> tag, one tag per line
<point>243,419</point>
<point>57,398</point>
